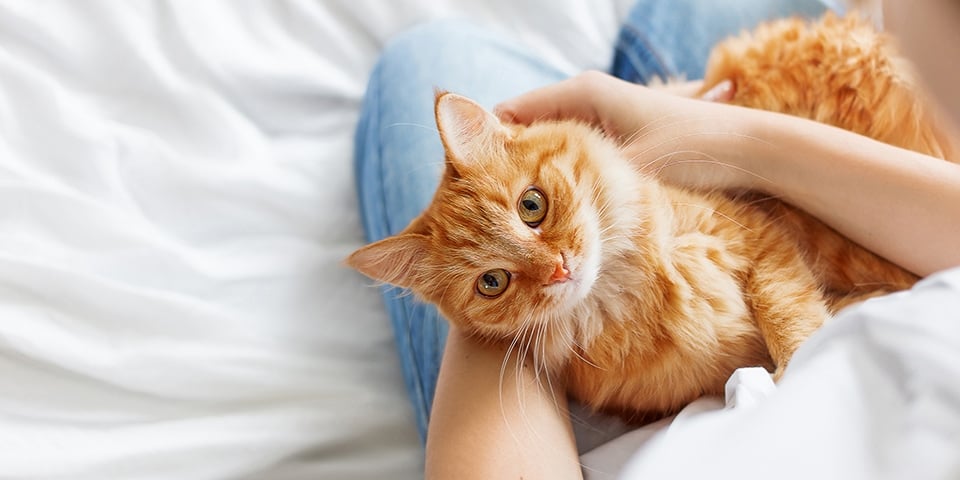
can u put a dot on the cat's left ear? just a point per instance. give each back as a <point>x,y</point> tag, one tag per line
<point>393,260</point>
<point>468,131</point>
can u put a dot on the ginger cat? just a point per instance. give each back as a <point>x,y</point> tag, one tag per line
<point>646,296</point>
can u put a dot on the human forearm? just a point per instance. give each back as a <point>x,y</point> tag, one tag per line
<point>484,426</point>
<point>902,205</point>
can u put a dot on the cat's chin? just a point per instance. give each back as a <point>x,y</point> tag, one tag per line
<point>583,275</point>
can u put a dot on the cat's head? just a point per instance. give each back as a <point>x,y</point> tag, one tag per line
<point>512,237</point>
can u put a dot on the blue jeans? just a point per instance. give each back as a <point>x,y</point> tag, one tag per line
<point>399,157</point>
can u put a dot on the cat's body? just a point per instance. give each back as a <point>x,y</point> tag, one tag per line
<point>644,296</point>
<point>684,298</point>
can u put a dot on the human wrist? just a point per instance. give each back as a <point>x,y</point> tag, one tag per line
<point>752,149</point>
<point>732,139</point>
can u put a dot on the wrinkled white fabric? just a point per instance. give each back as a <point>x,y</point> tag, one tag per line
<point>176,196</point>
<point>746,388</point>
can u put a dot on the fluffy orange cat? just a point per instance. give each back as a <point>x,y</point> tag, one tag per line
<point>646,296</point>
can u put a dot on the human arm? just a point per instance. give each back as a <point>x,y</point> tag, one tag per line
<point>483,426</point>
<point>902,205</point>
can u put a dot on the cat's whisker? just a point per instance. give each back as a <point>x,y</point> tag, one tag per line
<point>609,239</point>
<point>606,238</point>
<point>397,291</point>
<point>503,367</point>
<point>707,159</point>
<point>874,284</point>
<point>444,279</point>
<point>572,344</point>
<point>529,349</point>
<point>428,128</point>
<point>765,198</point>
<point>414,172</point>
<point>715,212</point>
<point>542,339</point>
<point>674,139</point>
<point>577,420</point>
<point>588,362</point>
<point>483,168</point>
<point>541,365</point>
<point>534,345</point>
<point>568,339</point>
<point>661,123</point>
<point>605,473</point>
<point>539,354</point>
<point>602,208</point>
<point>526,337</point>
<point>521,360</point>
<point>644,132</point>
<point>604,230</point>
<point>647,132</point>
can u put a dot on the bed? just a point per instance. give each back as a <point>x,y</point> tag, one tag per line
<point>177,199</point>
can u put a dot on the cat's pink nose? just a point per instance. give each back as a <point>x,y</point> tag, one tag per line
<point>560,274</point>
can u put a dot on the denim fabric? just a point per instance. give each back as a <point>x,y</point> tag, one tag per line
<point>398,153</point>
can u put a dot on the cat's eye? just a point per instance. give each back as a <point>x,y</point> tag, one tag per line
<point>532,207</point>
<point>493,282</point>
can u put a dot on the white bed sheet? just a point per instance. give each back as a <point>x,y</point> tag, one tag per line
<point>176,195</point>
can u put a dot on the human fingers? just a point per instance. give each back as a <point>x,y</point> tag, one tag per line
<point>721,92</point>
<point>688,89</point>
<point>592,97</point>
<point>574,98</point>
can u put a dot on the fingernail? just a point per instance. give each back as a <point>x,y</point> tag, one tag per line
<point>721,92</point>
<point>503,112</point>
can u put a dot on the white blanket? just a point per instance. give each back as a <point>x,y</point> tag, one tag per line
<point>176,196</point>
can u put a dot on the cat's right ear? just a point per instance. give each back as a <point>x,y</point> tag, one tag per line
<point>468,131</point>
<point>392,260</point>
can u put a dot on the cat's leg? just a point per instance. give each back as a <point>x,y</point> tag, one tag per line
<point>399,157</point>
<point>787,304</point>
<point>846,272</point>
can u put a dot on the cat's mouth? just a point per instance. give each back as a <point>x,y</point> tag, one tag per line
<point>571,282</point>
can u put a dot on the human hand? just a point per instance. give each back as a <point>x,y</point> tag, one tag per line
<point>669,131</point>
